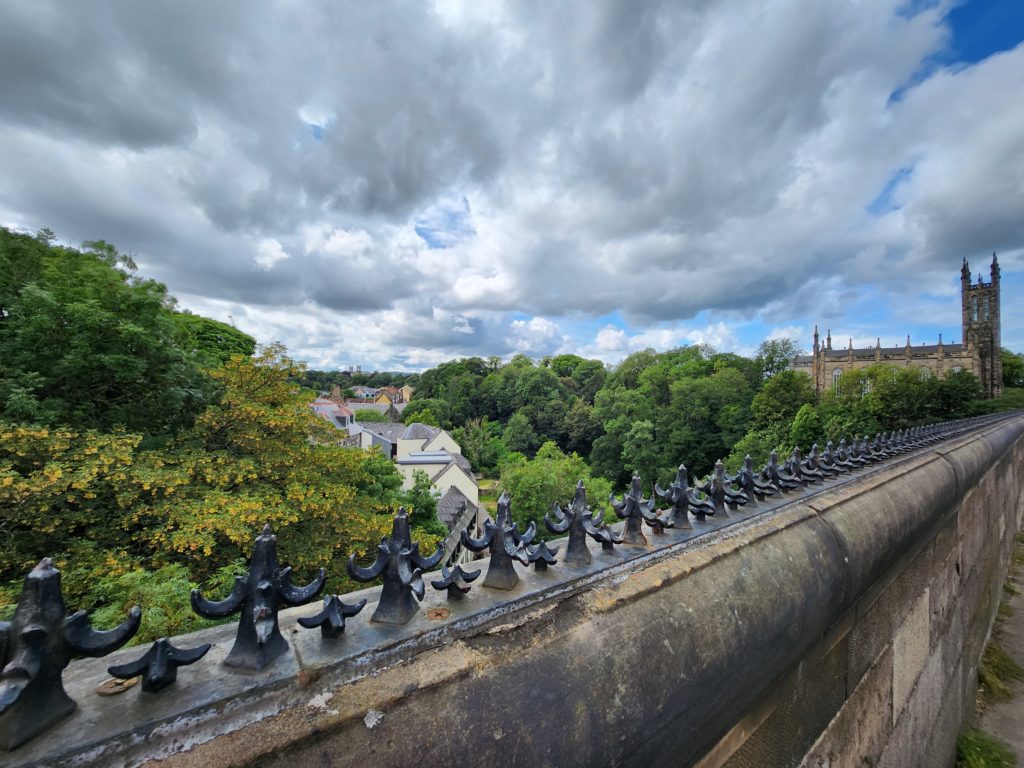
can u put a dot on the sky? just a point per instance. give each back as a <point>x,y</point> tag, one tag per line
<point>396,184</point>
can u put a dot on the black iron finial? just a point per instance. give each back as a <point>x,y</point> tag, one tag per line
<point>631,509</point>
<point>331,618</point>
<point>456,581</point>
<point>571,519</point>
<point>541,555</point>
<point>257,597</point>
<point>748,481</point>
<point>601,532</point>
<point>779,476</point>
<point>506,544</point>
<point>36,646</point>
<point>718,489</point>
<point>400,563</point>
<point>159,665</point>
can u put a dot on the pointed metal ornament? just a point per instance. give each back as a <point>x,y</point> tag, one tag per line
<point>401,565</point>
<point>505,543</point>
<point>158,666</point>
<point>331,618</point>
<point>257,597</point>
<point>36,646</point>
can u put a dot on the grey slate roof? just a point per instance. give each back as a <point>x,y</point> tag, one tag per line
<point>451,505</point>
<point>390,431</point>
<point>418,431</point>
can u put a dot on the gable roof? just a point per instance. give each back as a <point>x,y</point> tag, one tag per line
<point>418,431</point>
<point>451,506</point>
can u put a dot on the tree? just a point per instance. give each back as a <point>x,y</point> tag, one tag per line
<point>780,398</point>
<point>806,429</point>
<point>211,342</point>
<point>775,355</point>
<point>519,435</point>
<point>641,455</point>
<point>258,456</point>
<point>1013,369</point>
<point>536,485</point>
<point>85,342</point>
<point>421,501</point>
<point>368,415</point>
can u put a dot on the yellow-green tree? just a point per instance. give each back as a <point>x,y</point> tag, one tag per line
<point>260,455</point>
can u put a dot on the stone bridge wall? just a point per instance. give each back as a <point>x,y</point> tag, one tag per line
<point>841,628</point>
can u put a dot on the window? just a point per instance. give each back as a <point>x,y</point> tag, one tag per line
<point>924,373</point>
<point>836,375</point>
<point>974,309</point>
<point>985,308</point>
<point>956,369</point>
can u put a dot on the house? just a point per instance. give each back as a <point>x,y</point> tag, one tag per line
<point>365,393</point>
<point>380,435</point>
<point>435,452</point>
<point>335,413</point>
<point>406,391</point>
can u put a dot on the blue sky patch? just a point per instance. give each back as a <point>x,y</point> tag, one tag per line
<point>446,224</point>
<point>883,202</point>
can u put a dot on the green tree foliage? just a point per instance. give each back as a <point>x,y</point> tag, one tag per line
<point>806,429</point>
<point>368,415</point>
<point>780,398</point>
<point>211,342</point>
<point>85,342</point>
<point>421,499</point>
<point>775,355</point>
<point>550,477</point>
<point>428,410</point>
<point>261,455</point>
<point>519,435</point>
<point>1013,369</point>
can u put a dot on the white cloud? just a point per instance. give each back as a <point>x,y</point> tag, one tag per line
<point>268,253</point>
<point>565,161</point>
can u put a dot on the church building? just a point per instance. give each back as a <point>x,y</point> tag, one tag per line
<point>978,352</point>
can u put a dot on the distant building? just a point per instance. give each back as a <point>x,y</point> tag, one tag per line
<point>336,413</point>
<point>978,352</point>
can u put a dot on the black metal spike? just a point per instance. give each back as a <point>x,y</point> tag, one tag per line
<point>506,544</point>
<point>542,556</point>
<point>37,644</point>
<point>400,563</point>
<point>331,618</point>
<point>456,581</point>
<point>630,509</point>
<point>159,665</point>
<point>258,597</point>
<point>599,531</point>
<point>571,520</point>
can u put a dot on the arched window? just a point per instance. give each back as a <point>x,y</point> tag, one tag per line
<point>836,375</point>
<point>974,309</point>
<point>984,305</point>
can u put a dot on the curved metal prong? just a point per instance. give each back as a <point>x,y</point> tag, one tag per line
<point>92,642</point>
<point>301,595</point>
<point>219,609</point>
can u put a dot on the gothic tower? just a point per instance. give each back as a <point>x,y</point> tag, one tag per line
<point>981,336</point>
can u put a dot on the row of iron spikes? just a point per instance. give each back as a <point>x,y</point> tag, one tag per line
<point>41,639</point>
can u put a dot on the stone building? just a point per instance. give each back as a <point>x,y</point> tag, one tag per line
<point>978,351</point>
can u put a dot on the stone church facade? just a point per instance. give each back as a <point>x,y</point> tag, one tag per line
<point>978,352</point>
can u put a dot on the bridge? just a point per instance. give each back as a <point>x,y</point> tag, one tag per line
<point>838,623</point>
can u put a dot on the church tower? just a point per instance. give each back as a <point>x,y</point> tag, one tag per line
<point>981,332</point>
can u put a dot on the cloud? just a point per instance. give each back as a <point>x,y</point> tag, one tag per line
<point>431,180</point>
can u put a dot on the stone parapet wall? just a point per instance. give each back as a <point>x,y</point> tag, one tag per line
<point>841,628</point>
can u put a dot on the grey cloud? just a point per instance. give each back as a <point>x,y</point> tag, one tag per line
<point>655,158</point>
